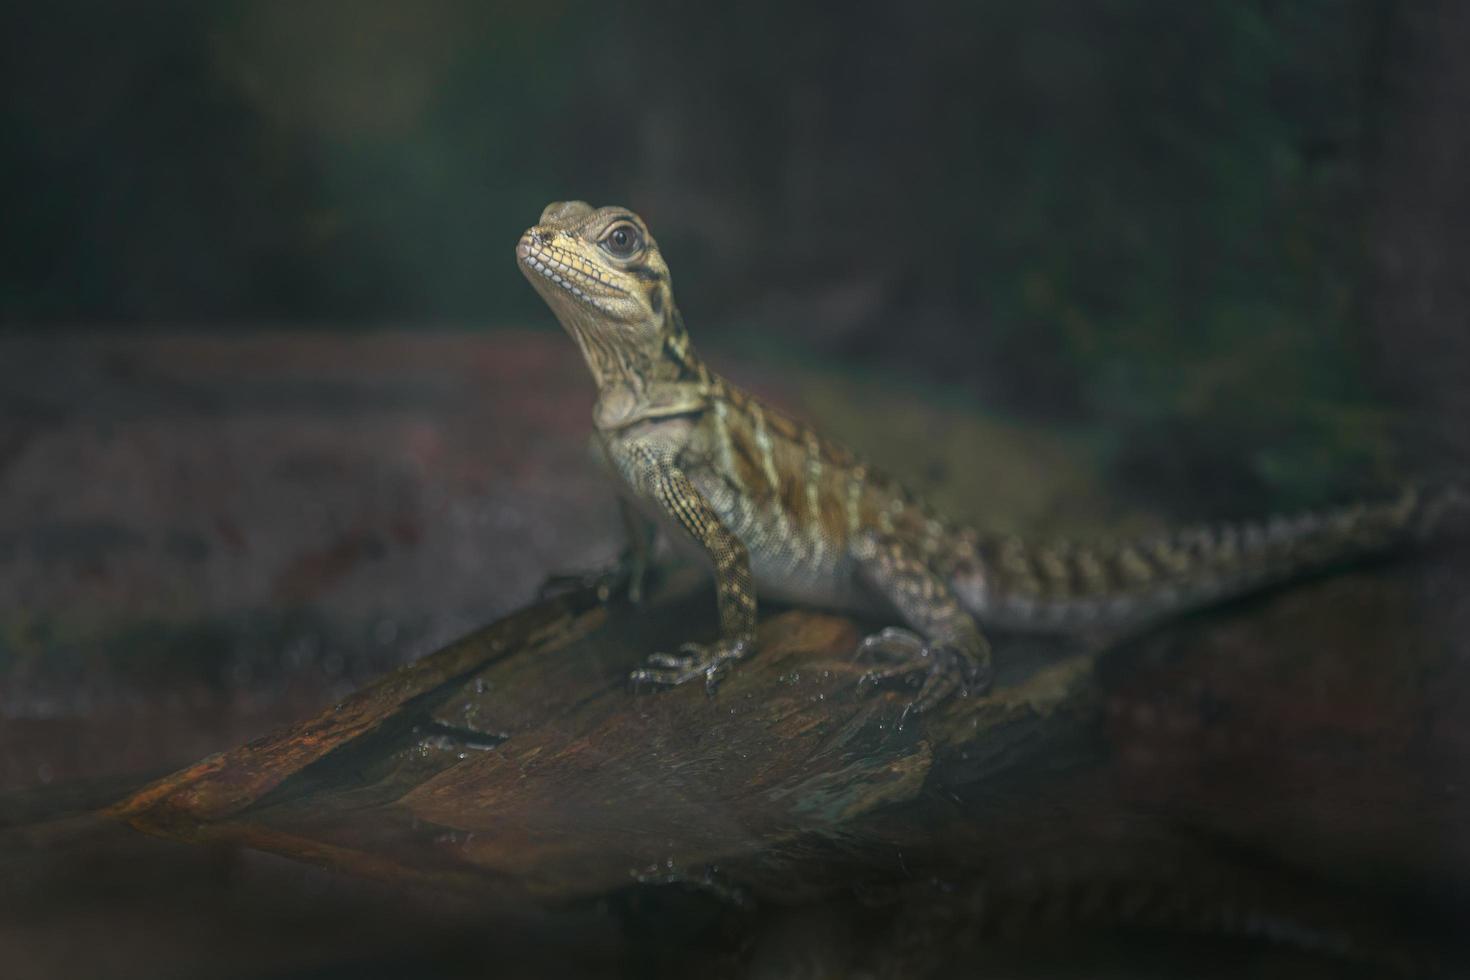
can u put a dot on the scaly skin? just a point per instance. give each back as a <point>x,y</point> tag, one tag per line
<point>778,508</point>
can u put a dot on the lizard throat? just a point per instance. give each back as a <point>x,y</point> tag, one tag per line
<point>636,349</point>
<point>586,302</point>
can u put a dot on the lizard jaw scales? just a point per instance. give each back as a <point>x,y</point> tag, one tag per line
<point>566,271</point>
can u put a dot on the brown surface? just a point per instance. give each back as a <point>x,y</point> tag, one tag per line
<point>1267,771</point>
<point>580,786</point>
<point>205,542</point>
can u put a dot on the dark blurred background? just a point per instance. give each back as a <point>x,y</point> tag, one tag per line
<point>277,410</point>
<point>1086,207</point>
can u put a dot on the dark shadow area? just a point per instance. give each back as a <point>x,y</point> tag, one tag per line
<point>1084,208</point>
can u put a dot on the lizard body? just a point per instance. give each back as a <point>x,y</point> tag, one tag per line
<point>776,507</point>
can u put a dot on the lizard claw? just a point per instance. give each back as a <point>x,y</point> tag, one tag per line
<point>608,584</point>
<point>626,578</point>
<point>939,669</point>
<point>895,643</point>
<point>708,660</point>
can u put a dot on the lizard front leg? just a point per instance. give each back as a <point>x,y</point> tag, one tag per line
<point>628,574</point>
<point>651,470</point>
<point>637,556</point>
<point>948,648</point>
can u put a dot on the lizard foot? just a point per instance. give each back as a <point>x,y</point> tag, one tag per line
<point>561,583</point>
<point>694,660</point>
<point>940,669</point>
<point>623,579</point>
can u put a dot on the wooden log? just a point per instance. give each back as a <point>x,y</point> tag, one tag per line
<point>519,758</point>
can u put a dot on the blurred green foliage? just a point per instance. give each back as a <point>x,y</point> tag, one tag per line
<point>1126,209</point>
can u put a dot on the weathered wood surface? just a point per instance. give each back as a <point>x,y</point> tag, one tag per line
<point>1289,764</point>
<point>519,759</point>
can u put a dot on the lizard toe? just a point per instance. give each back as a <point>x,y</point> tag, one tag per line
<point>710,661</point>
<point>939,670</point>
<point>883,675</point>
<point>659,676</point>
<point>608,583</point>
<point>670,661</point>
<point>902,655</point>
<point>978,677</point>
<point>944,679</point>
<point>893,643</point>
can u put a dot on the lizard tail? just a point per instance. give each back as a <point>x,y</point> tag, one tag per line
<point>1069,587</point>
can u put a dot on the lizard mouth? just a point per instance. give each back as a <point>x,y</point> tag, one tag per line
<point>569,272</point>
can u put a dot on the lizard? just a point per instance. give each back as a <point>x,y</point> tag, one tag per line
<point>778,509</point>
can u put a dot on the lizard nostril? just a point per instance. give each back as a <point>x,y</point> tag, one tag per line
<point>534,240</point>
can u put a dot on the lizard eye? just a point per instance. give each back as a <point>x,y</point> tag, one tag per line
<point>622,240</point>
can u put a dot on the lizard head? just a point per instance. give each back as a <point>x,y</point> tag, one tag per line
<point>601,273</point>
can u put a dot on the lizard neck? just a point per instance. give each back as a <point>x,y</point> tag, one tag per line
<point>637,381</point>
